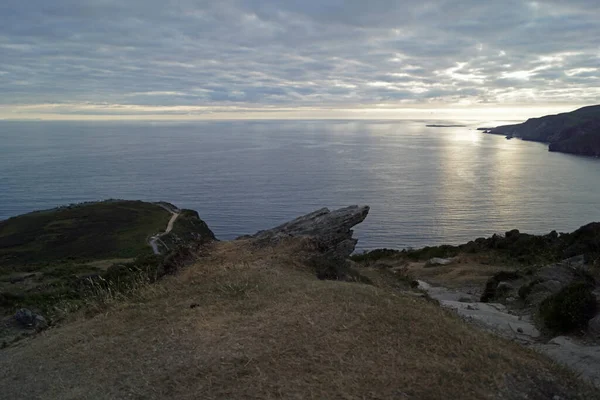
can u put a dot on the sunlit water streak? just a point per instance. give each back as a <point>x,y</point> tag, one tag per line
<point>425,186</point>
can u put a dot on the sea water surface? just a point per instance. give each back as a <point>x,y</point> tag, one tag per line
<point>425,186</point>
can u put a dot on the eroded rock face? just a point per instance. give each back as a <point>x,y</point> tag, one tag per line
<point>331,229</point>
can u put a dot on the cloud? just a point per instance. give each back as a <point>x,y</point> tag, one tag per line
<point>86,54</point>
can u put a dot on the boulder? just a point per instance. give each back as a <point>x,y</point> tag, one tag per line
<point>594,326</point>
<point>330,229</point>
<point>28,319</point>
<point>551,279</point>
<point>436,262</point>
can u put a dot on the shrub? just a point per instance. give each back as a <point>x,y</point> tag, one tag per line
<point>569,309</point>
<point>492,291</point>
<point>334,268</point>
<point>374,255</point>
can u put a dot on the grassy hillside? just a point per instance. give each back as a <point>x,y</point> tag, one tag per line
<point>89,231</point>
<point>48,258</point>
<point>251,323</point>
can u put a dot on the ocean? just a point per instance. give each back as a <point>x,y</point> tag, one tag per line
<point>425,186</point>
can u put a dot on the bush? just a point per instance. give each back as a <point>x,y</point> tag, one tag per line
<point>569,309</point>
<point>525,290</point>
<point>373,255</point>
<point>492,291</point>
<point>334,268</point>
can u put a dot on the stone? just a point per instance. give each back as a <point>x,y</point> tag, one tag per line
<point>28,319</point>
<point>594,326</point>
<point>553,278</point>
<point>575,262</point>
<point>581,358</point>
<point>435,262</point>
<point>330,229</point>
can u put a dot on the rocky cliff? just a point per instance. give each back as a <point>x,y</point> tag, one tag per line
<point>576,132</point>
<point>330,229</point>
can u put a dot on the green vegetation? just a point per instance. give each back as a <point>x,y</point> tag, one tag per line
<point>514,248</point>
<point>58,259</point>
<point>492,289</point>
<point>568,310</point>
<point>188,228</point>
<point>89,231</point>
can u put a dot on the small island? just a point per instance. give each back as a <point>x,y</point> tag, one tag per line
<point>576,132</point>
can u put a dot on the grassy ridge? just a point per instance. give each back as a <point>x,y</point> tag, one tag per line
<point>513,248</point>
<point>91,231</point>
<point>47,257</point>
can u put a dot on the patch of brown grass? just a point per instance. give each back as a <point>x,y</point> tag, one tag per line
<point>265,327</point>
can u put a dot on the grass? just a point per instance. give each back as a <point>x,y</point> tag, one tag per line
<point>188,228</point>
<point>90,231</point>
<point>47,257</point>
<point>264,326</point>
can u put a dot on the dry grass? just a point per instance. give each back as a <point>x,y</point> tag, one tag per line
<point>266,328</point>
<point>467,271</point>
<point>105,264</point>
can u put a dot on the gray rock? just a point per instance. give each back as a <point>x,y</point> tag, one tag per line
<point>331,229</point>
<point>575,262</point>
<point>28,319</point>
<point>434,262</point>
<point>504,286</point>
<point>594,326</point>
<point>581,358</point>
<point>551,279</point>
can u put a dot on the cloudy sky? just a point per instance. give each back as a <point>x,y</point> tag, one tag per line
<point>303,58</point>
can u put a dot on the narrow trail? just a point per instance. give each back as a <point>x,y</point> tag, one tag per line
<point>579,357</point>
<point>154,239</point>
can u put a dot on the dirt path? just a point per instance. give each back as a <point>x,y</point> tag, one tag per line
<point>579,357</point>
<point>154,239</point>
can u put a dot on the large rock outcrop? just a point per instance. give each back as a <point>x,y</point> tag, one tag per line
<point>332,230</point>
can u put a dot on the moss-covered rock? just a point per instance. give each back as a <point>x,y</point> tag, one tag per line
<point>568,310</point>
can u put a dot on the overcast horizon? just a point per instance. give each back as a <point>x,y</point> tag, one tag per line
<point>108,59</point>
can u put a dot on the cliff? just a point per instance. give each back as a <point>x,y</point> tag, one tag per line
<point>576,132</point>
<point>252,318</point>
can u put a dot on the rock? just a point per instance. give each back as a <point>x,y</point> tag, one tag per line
<point>575,262</point>
<point>504,286</point>
<point>434,262</point>
<point>594,326</point>
<point>40,323</point>
<point>493,316</point>
<point>28,319</point>
<point>583,359</point>
<point>330,229</point>
<point>551,279</point>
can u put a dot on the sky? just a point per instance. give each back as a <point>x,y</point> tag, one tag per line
<point>186,59</point>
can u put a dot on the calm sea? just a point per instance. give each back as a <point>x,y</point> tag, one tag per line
<point>425,186</point>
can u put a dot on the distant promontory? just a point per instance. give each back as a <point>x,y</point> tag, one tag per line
<point>576,132</point>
